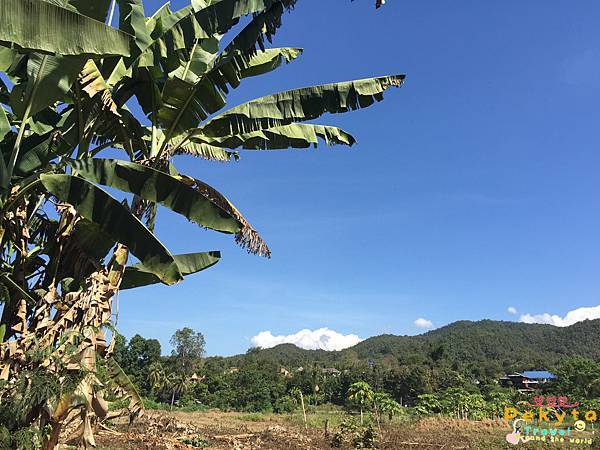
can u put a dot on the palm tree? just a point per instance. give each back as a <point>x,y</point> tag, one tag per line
<point>157,376</point>
<point>361,394</point>
<point>178,384</point>
<point>65,241</point>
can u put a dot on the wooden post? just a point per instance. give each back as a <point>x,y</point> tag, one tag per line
<point>303,410</point>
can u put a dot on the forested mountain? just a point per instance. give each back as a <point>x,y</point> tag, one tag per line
<point>491,346</point>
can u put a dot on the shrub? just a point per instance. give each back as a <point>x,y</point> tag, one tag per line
<point>359,436</point>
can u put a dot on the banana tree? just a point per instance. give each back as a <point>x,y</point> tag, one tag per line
<point>361,395</point>
<point>65,240</point>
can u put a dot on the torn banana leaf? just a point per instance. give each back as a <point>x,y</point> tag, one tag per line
<point>138,275</point>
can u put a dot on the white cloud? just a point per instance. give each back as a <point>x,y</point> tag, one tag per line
<point>577,315</point>
<point>423,323</point>
<point>512,310</point>
<point>323,339</point>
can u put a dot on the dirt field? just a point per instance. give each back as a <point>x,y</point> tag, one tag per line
<point>220,431</point>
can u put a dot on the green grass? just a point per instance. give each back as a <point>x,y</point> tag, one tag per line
<point>157,406</point>
<point>256,417</point>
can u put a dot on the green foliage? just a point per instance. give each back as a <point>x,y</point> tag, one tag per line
<point>285,404</point>
<point>197,442</point>
<point>188,348</point>
<point>360,394</point>
<point>136,357</point>
<point>28,438</point>
<point>58,30</point>
<point>355,434</point>
<point>580,377</point>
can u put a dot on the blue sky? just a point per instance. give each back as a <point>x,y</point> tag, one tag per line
<point>472,188</point>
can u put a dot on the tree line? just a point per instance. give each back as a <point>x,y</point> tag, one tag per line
<point>256,383</point>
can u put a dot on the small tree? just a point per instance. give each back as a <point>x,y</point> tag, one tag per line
<point>178,385</point>
<point>383,404</point>
<point>390,407</point>
<point>428,404</point>
<point>188,348</point>
<point>361,394</point>
<point>297,393</point>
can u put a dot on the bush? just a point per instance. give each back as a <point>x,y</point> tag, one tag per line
<point>22,439</point>
<point>359,436</point>
<point>197,442</point>
<point>284,405</point>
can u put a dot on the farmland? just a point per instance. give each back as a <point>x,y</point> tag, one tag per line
<point>220,430</point>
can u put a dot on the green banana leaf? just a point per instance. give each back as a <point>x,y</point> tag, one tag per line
<point>199,61</point>
<point>36,152</point>
<point>175,31</point>
<point>299,105</point>
<point>115,220</point>
<point>158,187</point>
<point>243,47</point>
<point>138,275</point>
<point>125,388</point>
<point>49,78</point>
<point>295,135</point>
<point>4,123</point>
<point>185,104</point>
<point>90,238</point>
<point>9,282</point>
<point>194,147</point>
<point>7,56</point>
<point>218,17</point>
<point>43,26</point>
<point>232,70</point>
<point>133,21</point>
<point>264,24</point>
<point>96,9</point>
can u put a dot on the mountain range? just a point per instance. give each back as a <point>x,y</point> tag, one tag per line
<point>505,346</point>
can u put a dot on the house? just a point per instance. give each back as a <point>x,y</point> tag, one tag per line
<point>527,381</point>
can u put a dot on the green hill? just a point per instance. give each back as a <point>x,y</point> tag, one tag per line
<point>487,345</point>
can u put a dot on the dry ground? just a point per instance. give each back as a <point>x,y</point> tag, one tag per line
<point>219,431</point>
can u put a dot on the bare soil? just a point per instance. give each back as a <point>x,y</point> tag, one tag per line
<point>219,431</point>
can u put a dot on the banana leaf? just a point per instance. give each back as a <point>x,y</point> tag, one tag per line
<point>125,388</point>
<point>158,187</point>
<point>115,220</point>
<point>49,78</point>
<point>295,135</point>
<point>194,147</point>
<point>299,105</point>
<point>43,26</point>
<point>232,70</point>
<point>138,275</point>
<point>4,123</point>
<point>96,9</point>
